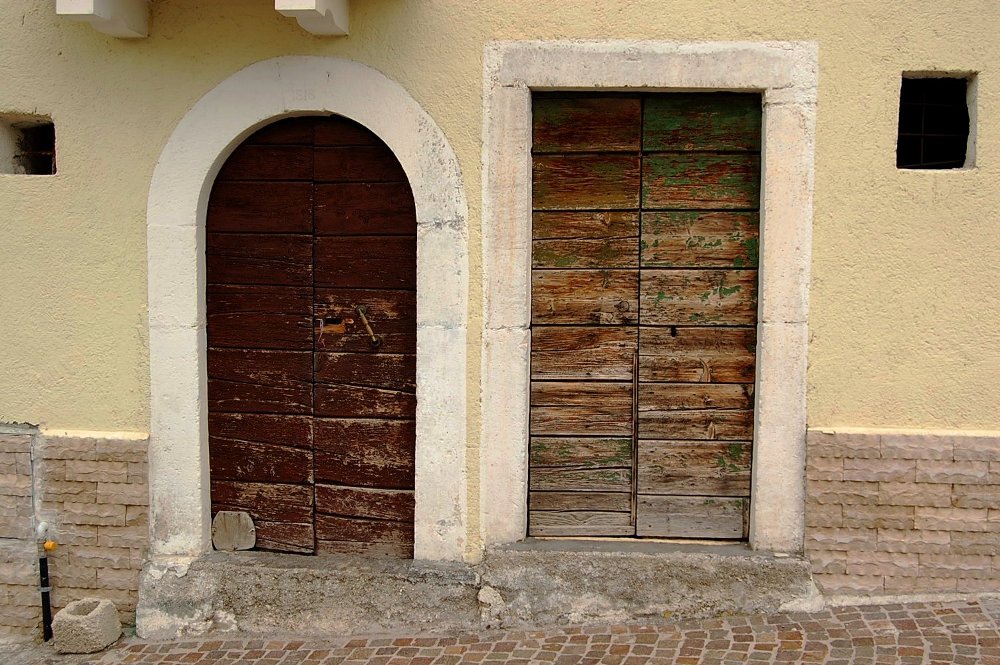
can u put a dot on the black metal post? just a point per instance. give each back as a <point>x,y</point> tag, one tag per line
<point>43,575</point>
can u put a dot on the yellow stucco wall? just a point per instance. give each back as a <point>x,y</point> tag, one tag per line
<point>904,297</point>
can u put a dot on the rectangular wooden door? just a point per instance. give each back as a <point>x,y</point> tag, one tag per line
<point>644,301</point>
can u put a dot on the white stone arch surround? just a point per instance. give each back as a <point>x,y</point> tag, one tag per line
<point>786,75</point>
<point>178,198</point>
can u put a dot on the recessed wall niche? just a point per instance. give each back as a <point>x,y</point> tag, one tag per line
<point>27,145</point>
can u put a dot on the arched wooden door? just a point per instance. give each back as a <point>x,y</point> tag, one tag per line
<point>311,300</point>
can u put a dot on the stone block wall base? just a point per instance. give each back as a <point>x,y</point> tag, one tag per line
<point>535,584</point>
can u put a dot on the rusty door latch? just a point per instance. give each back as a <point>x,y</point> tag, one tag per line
<point>362,311</point>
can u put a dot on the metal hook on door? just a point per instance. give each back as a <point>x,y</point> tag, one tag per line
<point>362,311</point>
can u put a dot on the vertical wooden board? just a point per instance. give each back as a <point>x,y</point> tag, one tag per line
<point>728,121</point>
<point>580,452</point>
<point>701,181</point>
<point>698,297</point>
<point>383,262</point>
<point>580,480</point>
<point>700,239</point>
<point>572,352</point>
<point>288,131</point>
<point>689,517</point>
<point>694,468</point>
<point>577,408</point>
<point>260,207</point>
<point>390,371</point>
<point>596,297</point>
<point>255,381</point>
<point>365,453</point>
<point>268,162</point>
<point>365,502</point>
<point>585,182</point>
<point>333,527</point>
<point>579,523</point>
<point>575,123</point>
<point>707,355</point>
<point>357,164</point>
<point>589,253</point>
<point>695,424</point>
<point>365,208</point>
<point>606,502</point>
<point>260,317</point>
<point>270,259</point>
<point>569,225</point>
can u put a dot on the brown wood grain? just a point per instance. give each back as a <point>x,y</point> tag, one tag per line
<point>365,453</point>
<point>700,181</point>
<point>365,208</point>
<point>234,459</point>
<point>690,517</point>
<point>584,225</point>
<point>365,502</point>
<point>580,452</point>
<point>377,370</point>
<point>588,501</point>
<point>717,355</point>
<point>709,424</point>
<point>579,523</point>
<point>281,430</point>
<point>332,527</point>
<point>698,297</point>
<point>571,352</point>
<point>337,130</point>
<point>385,262</point>
<point>242,258</point>
<point>726,121</point>
<point>260,207</point>
<point>268,162</point>
<point>353,401</point>
<point>694,467</point>
<point>591,253</point>
<point>575,123</point>
<point>575,408</point>
<point>585,182</point>
<point>357,164</point>
<point>285,537</point>
<point>260,317</point>
<point>596,297</point>
<point>288,131</point>
<point>580,480</point>
<point>656,397</point>
<point>269,502</point>
<point>256,381</point>
<point>700,239</point>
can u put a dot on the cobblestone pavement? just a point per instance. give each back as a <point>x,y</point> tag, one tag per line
<point>965,632</point>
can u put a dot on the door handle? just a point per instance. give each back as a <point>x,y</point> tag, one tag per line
<point>362,311</point>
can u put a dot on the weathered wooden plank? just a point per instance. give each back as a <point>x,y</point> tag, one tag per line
<point>584,225</point>
<point>357,164</point>
<point>365,502</point>
<point>243,258</point>
<point>260,207</point>
<point>384,262</point>
<point>285,537</point>
<point>694,468</point>
<point>700,239</point>
<point>354,401</point>
<point>580,452</point>
<point>656,397</point>
<point>695,424</point>
<point>579,523</point>
<point>269,502</point>
<point>364,453</point>
<point>585,182</point>
<point>365,208</point>
<point>287,131</point>
<point>599,501</point>
<point>571,352</point>
<point>390,371</point>
<point>580,480</point>
<point>240,459</point>
<point>718,355</point>
<point>393,550</point>
<point>260,317</point>
<point>602,297</point>
<point>606,253</point>
<point>268,162</point>
<point>337,130</point>
<point>282,430</point>
<point>332,527</point>
<point>701,181</point>
<point>577,408</point>
<point>698,297</point>
<point>256,381</point>
<point>574,123</point>
<point>690,517</point>
<point>727,121</point>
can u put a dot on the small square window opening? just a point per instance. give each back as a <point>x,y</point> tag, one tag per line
<point>27,145</point>
<point>934,123</point>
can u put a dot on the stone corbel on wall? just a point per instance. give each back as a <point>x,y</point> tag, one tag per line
<point>128,19</point>
<point>320,17</point>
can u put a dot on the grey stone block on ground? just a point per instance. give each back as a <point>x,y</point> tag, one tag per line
<point>86,626</point>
